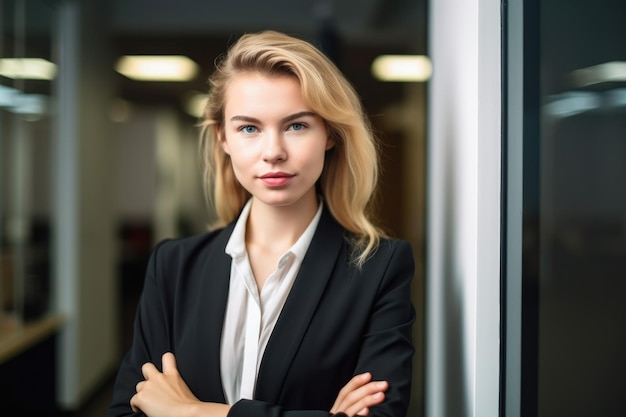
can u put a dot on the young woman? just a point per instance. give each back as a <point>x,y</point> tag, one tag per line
<point>297,304</point>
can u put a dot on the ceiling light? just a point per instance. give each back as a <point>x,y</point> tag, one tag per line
<point>8,96</point>
<point>402,68</point>
<point>157,68</point>
<point>27,68</point>
<point>616,97</point>
<point>31,105</point>
<point>572,103</point>
<point>614,71</point>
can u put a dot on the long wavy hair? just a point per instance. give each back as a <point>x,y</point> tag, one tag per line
<point>351,169</point>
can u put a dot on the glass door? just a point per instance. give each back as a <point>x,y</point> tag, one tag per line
<point>26,74</point>
<point>565,269</point>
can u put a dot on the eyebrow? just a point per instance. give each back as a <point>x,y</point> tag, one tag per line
<point>283,120</point>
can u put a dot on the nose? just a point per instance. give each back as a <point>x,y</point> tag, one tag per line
<point>274,149</point>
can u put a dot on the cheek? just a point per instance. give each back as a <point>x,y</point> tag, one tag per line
<point>238,170</point>
<point>236,163</point>
<point>315,160</point>
<point>241,159</point>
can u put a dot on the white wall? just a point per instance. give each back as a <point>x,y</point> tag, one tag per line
<point>463,210</point>
<point>158,177</point>
<point>135,166</point>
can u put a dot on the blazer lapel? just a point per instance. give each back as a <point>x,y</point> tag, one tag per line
<point>216,275</point>
<point>299,307</point>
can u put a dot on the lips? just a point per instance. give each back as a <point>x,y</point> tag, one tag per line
<point>276,179</point>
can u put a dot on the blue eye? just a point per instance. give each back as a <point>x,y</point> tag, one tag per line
<point>298,126</point>
<point>248,129</point>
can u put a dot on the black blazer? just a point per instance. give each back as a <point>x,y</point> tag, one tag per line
<point>338,321</point>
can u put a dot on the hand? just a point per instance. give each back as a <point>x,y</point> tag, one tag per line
<point>359,394</point>
<point>165,394</point>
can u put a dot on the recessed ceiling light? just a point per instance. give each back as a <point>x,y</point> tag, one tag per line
<point>8,96</point>
<point>157,67</point>
<point>27,68</point>
<point>33,105</point>
<point>402,68</point>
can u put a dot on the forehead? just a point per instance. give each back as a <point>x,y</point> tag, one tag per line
<point>254,91</point>
<point>245,81</point>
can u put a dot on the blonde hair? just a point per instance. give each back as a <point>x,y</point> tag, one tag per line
<point>350,175</point>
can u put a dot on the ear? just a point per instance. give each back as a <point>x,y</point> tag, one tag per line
<point>330,143</point>
<point>219,134</point>
<point>330,140</point>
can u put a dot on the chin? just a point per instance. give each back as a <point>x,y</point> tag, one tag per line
<point>280,200</point>
<point>284,197</point>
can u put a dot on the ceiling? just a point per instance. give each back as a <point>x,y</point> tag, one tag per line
<point>372,21</point>
<point>203,29</point>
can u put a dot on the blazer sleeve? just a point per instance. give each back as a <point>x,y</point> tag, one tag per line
<point>388,349</point>
<point>150,339</point>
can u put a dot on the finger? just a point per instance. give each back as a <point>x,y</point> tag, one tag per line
<point>362,408</point>
<point>133,403</point>
<point>368,389</point>
<point>169,363</point>
<point>354,383</point>
<point>148,369</point>
<point>139,385</point>
<point>366,396</point>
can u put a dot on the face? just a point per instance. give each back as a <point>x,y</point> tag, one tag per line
<point>275,142</point>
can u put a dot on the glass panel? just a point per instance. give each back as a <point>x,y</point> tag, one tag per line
<point>574,209</point>
<point>25,156</point>
<point>582,279</point>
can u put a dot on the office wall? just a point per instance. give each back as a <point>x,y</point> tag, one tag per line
<point>158,178</point>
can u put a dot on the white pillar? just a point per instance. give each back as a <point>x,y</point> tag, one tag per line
<point>463,210</point>
<point>84,227</point>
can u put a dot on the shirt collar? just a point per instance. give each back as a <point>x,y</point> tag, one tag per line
<point>236,246</point>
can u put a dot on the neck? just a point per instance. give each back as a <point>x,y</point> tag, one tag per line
<point>279,227</point>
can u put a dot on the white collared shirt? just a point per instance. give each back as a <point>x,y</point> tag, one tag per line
<point>250,315</point>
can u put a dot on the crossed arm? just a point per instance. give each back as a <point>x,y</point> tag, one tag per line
<point>165,394</point>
